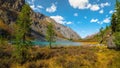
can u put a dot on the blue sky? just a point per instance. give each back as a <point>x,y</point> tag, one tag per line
<point>85,17</point>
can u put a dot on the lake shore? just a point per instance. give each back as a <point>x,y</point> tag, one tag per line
<point>62,57</point>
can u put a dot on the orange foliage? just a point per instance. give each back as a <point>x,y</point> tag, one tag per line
<point>5,26</point>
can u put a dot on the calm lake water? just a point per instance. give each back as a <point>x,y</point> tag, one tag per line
<point>57,43</point>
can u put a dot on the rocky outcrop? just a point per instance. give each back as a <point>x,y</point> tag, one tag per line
<point>12,4</point>
<point>10,9</point>
<point>110,42</point>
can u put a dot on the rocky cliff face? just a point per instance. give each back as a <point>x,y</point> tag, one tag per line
<point>10,9</point>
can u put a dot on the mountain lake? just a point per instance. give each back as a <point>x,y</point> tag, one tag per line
<point>57,43</point>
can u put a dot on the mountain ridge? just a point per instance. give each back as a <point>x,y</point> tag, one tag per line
<point>10,9</point>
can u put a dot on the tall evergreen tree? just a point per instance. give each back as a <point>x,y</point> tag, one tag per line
<point>117,15</point>
<point>23,23</point>
<point>22,27</point>
<point>115,24</point>
<point>50,34</point>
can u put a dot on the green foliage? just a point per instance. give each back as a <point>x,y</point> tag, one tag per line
<point>3,41</point>
<point>117,39</point>
<point>22,28</point>
<point>115,24</point>
<point>101,31</point>
<point>21,53</point>
<point>23,23</point>
<point>50,34</point>
<point>70,39</point>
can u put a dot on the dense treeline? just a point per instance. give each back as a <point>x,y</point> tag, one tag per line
<point>115,24</point>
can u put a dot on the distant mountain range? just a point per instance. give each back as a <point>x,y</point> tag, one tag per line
<point>9,10</point>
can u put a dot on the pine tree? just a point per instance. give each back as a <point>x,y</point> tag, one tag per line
<point>50,34</point>
<point>101,34</point>
<point>22,27</point>
<point>23,23</point>
<point>117,15</point>
<point>115,24</point>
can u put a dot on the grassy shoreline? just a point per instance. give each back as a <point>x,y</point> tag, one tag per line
<point>63,57</point>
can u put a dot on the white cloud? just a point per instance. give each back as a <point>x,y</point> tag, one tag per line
<point>75,14</point>
<point>83,4</point>
<point>104,4</point>
<point>101,11</point>
<point>33,6</point>
<point>106,20</point>
<point>69,22</point>
<point>111,12</point>
<point>80,4</point>
<point>39,6</point>
<point>30,1</point>
<point>94,7</point>
<point>51,9</point>
<point>88,6</point>
<point>60,19</point>
<point>94,20</point>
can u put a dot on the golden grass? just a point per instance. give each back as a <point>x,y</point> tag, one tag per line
<point>66,57</point>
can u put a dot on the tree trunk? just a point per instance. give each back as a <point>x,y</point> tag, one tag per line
<point>50,44</point>
<point>101,40</point>
<point>24,39</point>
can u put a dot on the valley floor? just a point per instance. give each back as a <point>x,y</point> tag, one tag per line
<point>62,57</point>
